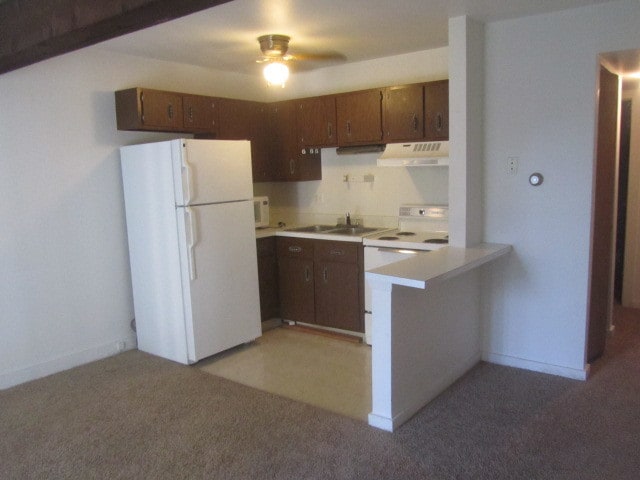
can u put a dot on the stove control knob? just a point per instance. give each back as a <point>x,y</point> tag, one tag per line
<point>422,211</point>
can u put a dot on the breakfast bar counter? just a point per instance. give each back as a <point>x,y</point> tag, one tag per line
<point>426,327</point>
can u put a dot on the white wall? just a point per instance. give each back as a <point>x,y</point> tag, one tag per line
<point>631,282</point>
<point>466,41</point>
<point>540,105</point>
<point>376,203</point>
<point>65,292</point>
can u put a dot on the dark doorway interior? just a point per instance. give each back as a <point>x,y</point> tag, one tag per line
<point>623,188</point>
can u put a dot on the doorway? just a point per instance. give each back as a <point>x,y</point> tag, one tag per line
<point>603,226</point>
<point>614,235</point>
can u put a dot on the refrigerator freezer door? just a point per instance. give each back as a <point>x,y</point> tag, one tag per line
<point>211,171</point>
<point>220,277</point>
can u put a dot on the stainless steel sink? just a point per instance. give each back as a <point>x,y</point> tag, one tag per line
<point>352,230</point>
<point>312,229</point>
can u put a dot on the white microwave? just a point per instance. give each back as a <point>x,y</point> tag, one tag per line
<point>261,211</point>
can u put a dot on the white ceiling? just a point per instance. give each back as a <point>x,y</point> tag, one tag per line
<point>225,37</point>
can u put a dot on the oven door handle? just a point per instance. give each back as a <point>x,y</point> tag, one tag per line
<point>400,250</point>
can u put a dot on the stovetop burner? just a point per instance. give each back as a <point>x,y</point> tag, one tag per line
<point>387,238</point>
<point>437,240</point>
<point>405,234</point>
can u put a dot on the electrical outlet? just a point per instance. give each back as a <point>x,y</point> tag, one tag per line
<point>512,165</point>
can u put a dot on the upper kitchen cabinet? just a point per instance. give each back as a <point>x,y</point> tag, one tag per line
<point>289,160</point>
<point>403,113</point>
<point>316,122</point>
<point>262,165</point>
<point>200,113</point>
<point>436,110</point>
<point>247,120</point>
<point>236,119</point>
<point>144,109</point>
<point>359,117</point>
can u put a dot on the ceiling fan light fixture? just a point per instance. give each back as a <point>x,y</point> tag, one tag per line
<point>276,73</point>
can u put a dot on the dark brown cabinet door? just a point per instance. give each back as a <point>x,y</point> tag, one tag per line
<point>161,109</point>
<point>436,110</point>
<point>200,113</point>
<point>236,119</point>
<point>316,122</point>
<point>291,162</point>
<point>144,109</point>
<point>262,166</point>
<point>268,278</point>
<point>359,117</point>
<point>337,285</point>
<point>296,283</point>
<point>336,295</point>
<point>283,149</point>
<point>246,120</point>
<point>403,113</point>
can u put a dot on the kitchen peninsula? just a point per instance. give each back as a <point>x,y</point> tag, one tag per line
<point>423,336</point>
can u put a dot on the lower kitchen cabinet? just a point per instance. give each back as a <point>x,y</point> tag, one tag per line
<point>337,284</point>
<point>295,273</point>
<point>321,282</point>
<point>268,278</point>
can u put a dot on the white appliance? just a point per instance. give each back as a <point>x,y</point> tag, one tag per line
<point>415,154</point>
<point>261,211</point>
<point>192,249</point>
<point>421,228</point>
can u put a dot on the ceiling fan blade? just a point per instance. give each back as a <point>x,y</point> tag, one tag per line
<point>320,56</point>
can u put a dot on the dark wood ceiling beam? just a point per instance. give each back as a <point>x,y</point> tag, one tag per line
<point>34,30</point>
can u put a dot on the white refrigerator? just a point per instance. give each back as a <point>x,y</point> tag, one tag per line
<point>192,246</point>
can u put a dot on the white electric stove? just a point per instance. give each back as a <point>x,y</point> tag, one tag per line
<point>421,228</point>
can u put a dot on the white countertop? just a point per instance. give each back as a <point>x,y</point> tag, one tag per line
<point>283,232</point>
<point>423,271</point>
<point>267,232</point>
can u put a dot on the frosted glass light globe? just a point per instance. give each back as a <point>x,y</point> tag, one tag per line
<point>276,73</point>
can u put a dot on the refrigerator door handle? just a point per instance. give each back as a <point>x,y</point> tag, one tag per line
<point>187,177</point>
<point>191,241</point>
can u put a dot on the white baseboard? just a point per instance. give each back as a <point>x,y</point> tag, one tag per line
<point>65,362</point>
<point>509,361</point>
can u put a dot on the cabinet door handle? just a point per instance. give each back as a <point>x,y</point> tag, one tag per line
<point>307,274</point>
<point>336,252</point>
<point>170,111</point>
<point>142,107</point>
<point>329,130</point>
<point>415,122</point>
<point>191,114</point>
<point>325,275</point>
<point>348,128</point>
<point>439,122</point>
<point>295,249</point>
<point>292,166</point>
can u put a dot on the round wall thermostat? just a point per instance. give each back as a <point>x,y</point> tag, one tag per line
<point>536,179</point>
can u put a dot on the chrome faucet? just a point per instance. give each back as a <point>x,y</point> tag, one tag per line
<point>348,218</point>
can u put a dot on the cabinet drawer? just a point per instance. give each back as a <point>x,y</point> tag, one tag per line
<point>295,247</point>
<point>343,252</point>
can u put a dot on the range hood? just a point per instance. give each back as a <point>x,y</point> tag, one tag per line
<point>417,154</point>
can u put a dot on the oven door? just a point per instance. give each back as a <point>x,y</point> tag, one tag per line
<point>375,257</point>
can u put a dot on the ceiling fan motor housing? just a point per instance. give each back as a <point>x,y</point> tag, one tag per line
<point>274,45</point>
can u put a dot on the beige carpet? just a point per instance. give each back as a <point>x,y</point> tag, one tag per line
<point>137,416</point>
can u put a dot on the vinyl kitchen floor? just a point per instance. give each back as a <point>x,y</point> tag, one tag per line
<point>326,372</point>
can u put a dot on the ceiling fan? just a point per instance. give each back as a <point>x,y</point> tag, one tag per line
<point>274,50</point>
